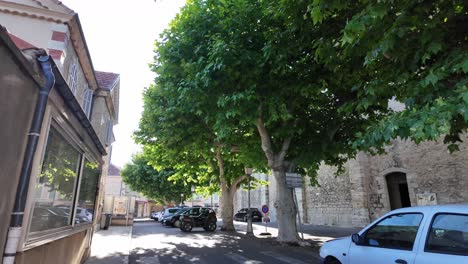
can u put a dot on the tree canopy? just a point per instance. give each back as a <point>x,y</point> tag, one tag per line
<point>154,184</point>
<point>308,81</point>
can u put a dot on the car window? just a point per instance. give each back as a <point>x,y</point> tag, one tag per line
<point>396,231</point>
<point>172,211</point>
<point>194,211</point>
<point>448,234</point>
<point>204,211</point>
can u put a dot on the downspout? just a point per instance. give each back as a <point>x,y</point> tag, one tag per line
<point>16,222</point>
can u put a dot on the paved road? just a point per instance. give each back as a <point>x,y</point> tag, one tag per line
<point>153,243</point>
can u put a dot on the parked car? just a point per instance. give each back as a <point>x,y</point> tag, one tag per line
<point>156,216</point>
<point>174,220</point>
<point>82,214</point>
<point>168,212</point>
<point>242,215</point>
<point>198,217</point>
<point>412,235</point>
<point>47,217</point>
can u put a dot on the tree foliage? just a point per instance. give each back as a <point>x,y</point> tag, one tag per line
<point>308,81</point>
<point>154,184</point>
<point>412,51</point>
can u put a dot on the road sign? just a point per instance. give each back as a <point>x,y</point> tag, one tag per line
<point>265,209</point>
<point>294,180</point>
<point>266,219</point>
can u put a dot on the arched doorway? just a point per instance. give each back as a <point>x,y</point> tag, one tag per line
<point>398,190</point>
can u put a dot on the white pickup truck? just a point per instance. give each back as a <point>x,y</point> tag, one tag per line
<point>413,235</point>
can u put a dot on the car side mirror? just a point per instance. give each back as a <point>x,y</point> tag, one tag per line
<point>357,239</point>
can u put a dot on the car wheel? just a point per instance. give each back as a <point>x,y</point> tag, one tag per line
<point>177,223</point>
<point>331,260</point>
<point>210,227</point>
<point>186,226</point>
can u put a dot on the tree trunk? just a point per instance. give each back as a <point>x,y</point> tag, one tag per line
<point>227,207</point>
<point>285,210</point>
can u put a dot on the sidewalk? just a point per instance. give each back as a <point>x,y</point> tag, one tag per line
<point>316,233</point>
<point>111,246</point>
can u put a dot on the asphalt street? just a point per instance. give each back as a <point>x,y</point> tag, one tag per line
<point>153,243</point>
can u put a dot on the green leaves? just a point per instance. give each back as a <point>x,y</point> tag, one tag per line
<point>154,184</point>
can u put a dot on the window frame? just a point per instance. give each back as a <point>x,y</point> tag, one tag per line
<point>73,77</point>
<point>426,250</point>
<point>88,98</point>
<point>364,234</point>
<point>54,118</point>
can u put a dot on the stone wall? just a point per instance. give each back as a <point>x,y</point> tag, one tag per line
<point>430,171</point>
<point>330,203</point>
<point>360,194</point>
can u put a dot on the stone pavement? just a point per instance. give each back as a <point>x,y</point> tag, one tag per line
<point>111,246</point>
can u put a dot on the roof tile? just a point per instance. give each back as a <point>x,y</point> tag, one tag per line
<point>106,80</point>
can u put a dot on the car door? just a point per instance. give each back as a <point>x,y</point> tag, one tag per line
<point>389,241</point>
<point>445,241</point>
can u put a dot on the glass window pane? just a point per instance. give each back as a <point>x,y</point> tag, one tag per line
<point>396,231</point>
<point>55,186</point>
<point>449,234</point>
<point>87,194</point>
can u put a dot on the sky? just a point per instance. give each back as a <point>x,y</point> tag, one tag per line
<point>120,37</point>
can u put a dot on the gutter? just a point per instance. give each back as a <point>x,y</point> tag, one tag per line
<point>16,222</point>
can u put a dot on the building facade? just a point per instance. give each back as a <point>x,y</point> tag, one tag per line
<point>64,186</point>
<point>407,175</point>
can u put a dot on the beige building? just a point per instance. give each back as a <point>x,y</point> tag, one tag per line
<point>56,181</point>
<point>123,203</point>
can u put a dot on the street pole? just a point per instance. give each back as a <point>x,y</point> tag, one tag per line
<point>192,189</point>
<point>248,171</point>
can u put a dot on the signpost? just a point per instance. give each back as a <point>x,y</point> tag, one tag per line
<point>293,181</point>
<point>266,219</point>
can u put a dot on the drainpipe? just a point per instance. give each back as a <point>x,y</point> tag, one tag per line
<point>16,222</point>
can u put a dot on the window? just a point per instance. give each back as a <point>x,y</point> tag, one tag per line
<point>110,125</point>
<point>73,77</point>
<point>66,188</point>
<point>87,193</point>
<point>396,231</point>
<point>56,184</point>
<point>448,235</point>
<point>194,211</point>
<point>87,101</point>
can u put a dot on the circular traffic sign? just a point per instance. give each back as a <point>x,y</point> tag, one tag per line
<point>265,209</point>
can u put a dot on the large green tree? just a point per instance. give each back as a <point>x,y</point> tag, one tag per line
<point>243,71</point>
<point>414,52</point>
<point>181,126</point>
<point>154,184</point>
<point>314,78</point>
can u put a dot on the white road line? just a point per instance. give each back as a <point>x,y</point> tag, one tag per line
<point>283,258</point>
<point>242,260</point>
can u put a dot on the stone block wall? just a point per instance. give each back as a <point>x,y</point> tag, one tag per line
<point>360,194</point>
<point>430,170</point>
<point>330,203</point>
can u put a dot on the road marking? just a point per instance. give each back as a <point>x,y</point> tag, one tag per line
<point>283,258</point>
<point>242,260</point>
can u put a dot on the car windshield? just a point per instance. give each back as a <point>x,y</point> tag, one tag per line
<point>182,211</point>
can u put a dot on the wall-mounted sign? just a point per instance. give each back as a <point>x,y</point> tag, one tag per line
<point>294,180</point>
